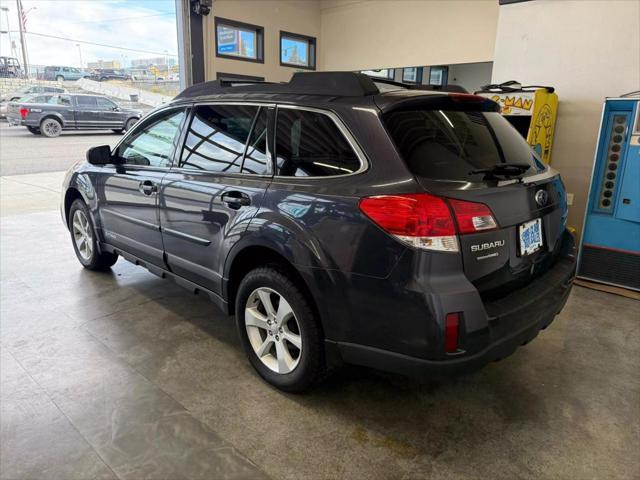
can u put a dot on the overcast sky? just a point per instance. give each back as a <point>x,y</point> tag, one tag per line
<point>145,25</point>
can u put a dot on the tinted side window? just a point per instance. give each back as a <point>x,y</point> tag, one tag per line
<point>86,102</point>
<point>309,144</point>
<point>152,144</point>
<point>256,159</point>
<point>217,137</point>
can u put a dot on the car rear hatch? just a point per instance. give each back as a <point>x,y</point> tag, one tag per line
<point>460,148</point>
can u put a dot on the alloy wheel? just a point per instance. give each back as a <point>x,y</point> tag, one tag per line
<point>82,235</point>
<point>273,330</point>
<point>51,128</point>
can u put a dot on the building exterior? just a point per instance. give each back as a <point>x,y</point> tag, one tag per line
<point>104,64</point>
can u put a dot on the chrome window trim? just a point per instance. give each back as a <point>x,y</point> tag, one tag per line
<point>364,163</point>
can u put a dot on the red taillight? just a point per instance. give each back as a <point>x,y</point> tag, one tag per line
<point>411,215</point>
<point>472,217</point>
<point>451,332</point>
<point>24,112</point>
<point>427,221</point>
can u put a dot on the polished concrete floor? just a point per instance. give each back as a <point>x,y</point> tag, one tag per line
<point>125,375</point>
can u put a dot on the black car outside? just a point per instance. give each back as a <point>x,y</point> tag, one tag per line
<point>338,220</point>
<point>104,74</point>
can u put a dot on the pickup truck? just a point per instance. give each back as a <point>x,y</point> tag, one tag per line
<point>71,112</point>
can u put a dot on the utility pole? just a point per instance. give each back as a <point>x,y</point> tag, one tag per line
<point>25,60</point>
<point>80,54</point>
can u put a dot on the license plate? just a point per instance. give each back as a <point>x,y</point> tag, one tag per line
<point>530,236</point>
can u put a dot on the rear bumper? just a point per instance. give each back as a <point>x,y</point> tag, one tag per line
<point>510,322</point>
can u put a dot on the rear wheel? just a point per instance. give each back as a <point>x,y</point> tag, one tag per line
<point>84,239</point>
<point>118,130</point>
<point>130,123</point>
<point>50,127</point>
<point>34,130</point>
<point>279,330</point>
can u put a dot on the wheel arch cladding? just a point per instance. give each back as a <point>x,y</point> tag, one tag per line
<point>256,256</point>
<point>71,195</point>
<point>53,116</point>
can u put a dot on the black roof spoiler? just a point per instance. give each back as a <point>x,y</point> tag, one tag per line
<point>338,84</point>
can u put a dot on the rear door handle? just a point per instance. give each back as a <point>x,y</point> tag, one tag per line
<point>148,187</point>
<point>236,199</point>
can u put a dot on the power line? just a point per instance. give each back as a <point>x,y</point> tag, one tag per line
<point>101,44</point>
<point>124,18</point>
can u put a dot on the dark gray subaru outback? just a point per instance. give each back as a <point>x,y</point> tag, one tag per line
<point>341,219</point>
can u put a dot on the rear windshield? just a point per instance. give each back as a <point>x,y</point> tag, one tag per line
<point>449,145</point>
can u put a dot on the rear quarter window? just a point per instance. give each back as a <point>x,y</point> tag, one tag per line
<point>449,145</point>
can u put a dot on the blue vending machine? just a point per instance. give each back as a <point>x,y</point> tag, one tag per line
<point>610,250</point>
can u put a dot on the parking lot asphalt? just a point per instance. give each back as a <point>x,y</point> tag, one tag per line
<point>22,152</point>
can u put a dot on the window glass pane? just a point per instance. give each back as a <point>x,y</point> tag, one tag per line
<point>449,145</point>
<point>153,142</point>
<point>382,73</point>
<point>294,51</point>
<point>310,144</point>
<point>410,74</point>
<point>216,138</point>
<point>237,42</point>
<point>105,103</point>
<point>86,102</point>
<point>256,158</point>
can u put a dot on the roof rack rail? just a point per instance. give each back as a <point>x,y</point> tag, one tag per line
<point>339,84</point>
<point>450,88</point>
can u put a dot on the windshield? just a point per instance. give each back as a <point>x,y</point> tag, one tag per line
<point>449,144</point>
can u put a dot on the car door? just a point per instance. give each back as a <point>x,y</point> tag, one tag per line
<point>109,114</point>
<point>86,111</point>
<point>214,189</point>
<point>128,190</point>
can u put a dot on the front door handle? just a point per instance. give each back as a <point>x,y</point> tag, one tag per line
<point>235,199</point>
<point>148,187</point>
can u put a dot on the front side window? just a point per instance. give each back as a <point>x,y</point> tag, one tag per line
<point>153,143</point>
<point>238,40</point>
<point>105,104</point>
<point>309,144</point>
<point>217,137</point>
<point>297,50</point>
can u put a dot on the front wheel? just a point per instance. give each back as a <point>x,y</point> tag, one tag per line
<point>50,127</point>
<point>60,78</point>
<point>279,330</point>
<point>84,239</point>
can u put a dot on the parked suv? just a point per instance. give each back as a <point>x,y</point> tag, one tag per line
<point>409,231</point>
<point>10,68</point>
<point>61,74</point>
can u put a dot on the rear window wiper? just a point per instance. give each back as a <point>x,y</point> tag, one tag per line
<point>503,169</point>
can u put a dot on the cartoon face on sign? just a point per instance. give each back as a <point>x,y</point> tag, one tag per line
<point>542,132</point>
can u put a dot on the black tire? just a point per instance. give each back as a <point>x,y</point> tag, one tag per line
<point>117,130</point>
<point>50,127</point>
<point>130,123</point>
<point>59,78</point>
<point>34,130</point>
<point>99,261</point>
<point>311,366</point>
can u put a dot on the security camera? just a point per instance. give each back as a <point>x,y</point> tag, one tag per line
<point>201,7</point>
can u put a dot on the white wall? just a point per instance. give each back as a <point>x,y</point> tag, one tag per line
<point>471,76</point>
<point>588,50</point>
<point>371,34</point>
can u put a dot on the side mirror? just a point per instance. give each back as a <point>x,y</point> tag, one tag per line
<point>116,108</point>
<point>99,155</point>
